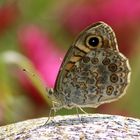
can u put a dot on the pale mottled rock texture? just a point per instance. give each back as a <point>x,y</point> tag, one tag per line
<point>91,127</point>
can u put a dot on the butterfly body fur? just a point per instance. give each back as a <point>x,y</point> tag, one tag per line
<point>93,71</point>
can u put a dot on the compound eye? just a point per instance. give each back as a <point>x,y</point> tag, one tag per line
<point>93,41</point>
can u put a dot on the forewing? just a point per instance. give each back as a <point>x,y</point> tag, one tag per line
<point>79,49</point>
<point>73,55</point>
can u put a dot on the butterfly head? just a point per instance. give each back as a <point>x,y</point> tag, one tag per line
<point>57,104</point>
<point>98,35</point>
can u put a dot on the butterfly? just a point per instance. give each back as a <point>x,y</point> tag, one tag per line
<point>93,71</point>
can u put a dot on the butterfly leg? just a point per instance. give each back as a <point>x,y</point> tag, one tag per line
<point>50,113</point>
<point>78,113</point>
<point>80,118</point>
<point>82,110</point>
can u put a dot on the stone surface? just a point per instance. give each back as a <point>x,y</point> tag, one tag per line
<point>88,126</point>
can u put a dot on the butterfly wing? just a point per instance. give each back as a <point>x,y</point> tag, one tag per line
<point>84,76</point>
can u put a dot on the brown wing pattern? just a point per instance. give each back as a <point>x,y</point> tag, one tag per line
<point>79,48</point>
